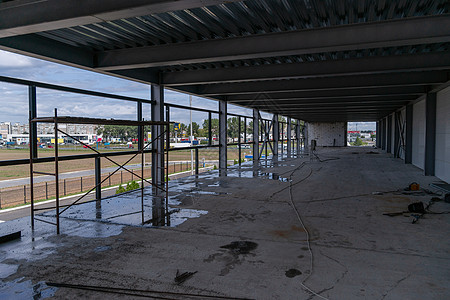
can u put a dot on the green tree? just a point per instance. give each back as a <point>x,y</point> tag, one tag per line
<point>214,126</point>
<point>233,127</point>
<point>195,128</point>
<point>358,142</point>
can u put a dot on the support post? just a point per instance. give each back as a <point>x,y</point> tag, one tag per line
<point>140,128</point>
<point>157,96</point>
<point>275,134</point>
<point>255,135</point>
<point>56,171</point>
<point>98,179</point>
<point>389,134</point>
<point>397,125</point>
<point>305,136</point>
<point>289,137</point>
<point>209,129</point>
<point>383,134</point>
<point>222,135</point>
<point>430,134</point>
<point>409,134</point>
<point>239,140</point>
<point>33,125</point>
<point>298,136</point>
<point>377,136</point>
<point>196,161</point>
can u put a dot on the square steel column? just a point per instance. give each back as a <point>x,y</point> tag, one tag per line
<point>409,134</point>
<point>157,111</point>
<point>98,178</point>
<point>275,134</point>
<point>383,134</point>
<point>222,135</point>
<point>397,134</point>
<point>289,137</point>
<point>33,126</point>
<point>298,136</point>
<point>430,134</point>
<point>389,134</point>
<point>255,135</point>
<point>140,128</point>
<point>305,136</point>
<point>377,136</point>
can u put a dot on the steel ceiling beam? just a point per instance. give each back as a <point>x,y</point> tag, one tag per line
<point>325,84</point>
<point>51,50</point>
<point>40,47</point>
<point>29,16</point>
<point>393,33</point>
<point>369,92</point>
<point>337,99</point>
<point>327,105</point>
<point>356,66</point>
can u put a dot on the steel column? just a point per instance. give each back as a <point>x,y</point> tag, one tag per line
<point>140,128</point>
<point>222,135</point>
<point>196,161</point>
<point>33,125</point>
<point>396,134</point>
<point>389,134</point>
<point>383,134</point>
<point>255,135</point>
<point>409,134</point>
<point>430,134</point>
<point>275,134</point>
<point>239,140</point>
<point>98,178</point>
<point>377,136</point>
<point>289,138</point>
<point>209,129</point>
<point>157,112</point>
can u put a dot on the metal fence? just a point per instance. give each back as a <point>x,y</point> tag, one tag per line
<point>13,196</point>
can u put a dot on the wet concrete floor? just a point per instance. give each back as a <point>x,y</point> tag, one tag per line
<point>297,228</point>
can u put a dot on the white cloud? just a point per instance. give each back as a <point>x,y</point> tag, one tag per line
<point>10,60</point>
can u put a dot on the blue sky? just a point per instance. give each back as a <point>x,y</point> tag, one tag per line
<point>14,98</point>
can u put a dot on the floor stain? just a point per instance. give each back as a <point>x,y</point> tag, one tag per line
<point>241,247</point>
<point>291,273</point>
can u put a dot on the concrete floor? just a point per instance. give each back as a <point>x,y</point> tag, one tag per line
<point>357,253</point>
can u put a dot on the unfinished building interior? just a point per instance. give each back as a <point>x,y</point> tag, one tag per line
<point>307,217</point>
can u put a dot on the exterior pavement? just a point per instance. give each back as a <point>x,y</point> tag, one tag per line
<point>298,228</point>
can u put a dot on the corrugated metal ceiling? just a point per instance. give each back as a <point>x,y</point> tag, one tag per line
<point>239,19</point>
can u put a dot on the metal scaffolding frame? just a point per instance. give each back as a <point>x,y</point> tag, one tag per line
<point>77,120</point>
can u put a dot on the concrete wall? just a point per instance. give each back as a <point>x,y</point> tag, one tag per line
<point>442,160</point>
<point>327,134</point>
<point>418,140</point>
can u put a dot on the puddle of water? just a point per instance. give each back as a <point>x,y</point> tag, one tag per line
<point>7,270</point>
<point>274,176</point>
<point>102,248</point>
<point>126,209</point>
<point>25,289</point>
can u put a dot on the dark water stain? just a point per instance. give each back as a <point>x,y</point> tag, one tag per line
<point>102,248</point>
<point>25,289</point>
<point>291,273</point>
<point>241,247</point>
